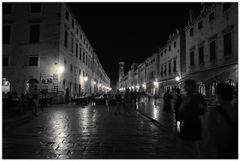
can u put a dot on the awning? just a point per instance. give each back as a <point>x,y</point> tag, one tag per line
<point>219,74</point>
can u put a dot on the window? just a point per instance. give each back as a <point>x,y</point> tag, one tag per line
<point>34,33</point>
<point>175,66</point>
<point>81,36</point>
<point>201,55</point>
<point>169,48</point>
<point>191,32</point>
<point>6,34</point>
<point>165,69</point>
<point>165,51</point>
<point>33,61</point>
<point>71,68</point>
<point>76,45</point>
<point>67,15</point>
<point>211,16</point>
<point>200,25</point>
<point>7,8</point>
<point>72,44</point>
<point>174,44</point>
<point>80,53</point>
<point>192,58</point>
<point>72,23</point>
<point>226,6</point>
<point>36,7</point>
<point>169,67</point>
<point>66,39</point>
<point>83,57</point>
<point>5,61</point>
<point>161,53</point>
<point>227,40</point>
<point>77,31</point>
<point>86,59</point>
<point>212,46</point>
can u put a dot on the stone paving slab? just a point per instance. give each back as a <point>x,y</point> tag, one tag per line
<point>91,132</point>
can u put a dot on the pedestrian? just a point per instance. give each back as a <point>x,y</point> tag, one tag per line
<point>127,101</point>
<point>222,126</point>
<point>176,105</point>
<point>67,96</point>
<point>167,102</point>
<point>118,98</point>
<point>34,92</point>
<point>191,108</point>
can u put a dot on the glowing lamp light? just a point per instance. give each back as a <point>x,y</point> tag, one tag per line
<point>60,69</point>
<point>100,85</point>
<point>94,82</point>
<point>155,83</point>
<point>144,85</point>
<point>85,79</point>
<point>177,78</point>
<point>137,86</point>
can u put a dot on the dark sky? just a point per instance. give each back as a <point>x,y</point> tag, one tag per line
<point>129,32</point>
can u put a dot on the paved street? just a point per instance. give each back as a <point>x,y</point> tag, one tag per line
<point>70,131</point>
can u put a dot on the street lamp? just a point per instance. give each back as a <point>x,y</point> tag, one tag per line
<point>60,69</point>
<point>86,79</point>
<point>94,82</point>
<point>177,78</point>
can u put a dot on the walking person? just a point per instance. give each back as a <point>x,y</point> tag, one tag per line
<point>118,98</point>
<point>222,126</point>
<point>176,105</point>
<point>167,107</point>
<point>191,108</point>
<point>127,102</point>
<point>67,96</point>
<point>34,92</point>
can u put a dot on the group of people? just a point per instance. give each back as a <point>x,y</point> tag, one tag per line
<point>18,103</point>
<point>204,132</point>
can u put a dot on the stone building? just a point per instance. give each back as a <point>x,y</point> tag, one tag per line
<point>171,62</point>
<point>44,43</point>
<point>212,47</point>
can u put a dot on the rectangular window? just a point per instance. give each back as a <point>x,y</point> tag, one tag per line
<point>191,32</point>
<point>7,8</point>
<point>212,46</point>
<point>86,59</point>
<point>83,57</point>
<point>165,51</point>
<point>161,53</point>
<point>6,34</point>
<point>72,23</point>
<point>200,25</point>
<point>169,48</point>
<point>5,61</point>
<point>201,55</point>
<point>34,33</point>
<point>67,15</point>
<point>71,68</point>
<point>72,44</point>
<point>174,44</point>
<point>77,31</point>
<point>175,66</point>
<point>36,7</point>
<point>76,51</point>
<point>169,68</point>
<point>227,40</point>
<point>66,39</point>
<point>192,58</point>
<point>81,36</point>
<point>33,61</point>
<point>80,53</point>
<point>211,16</point>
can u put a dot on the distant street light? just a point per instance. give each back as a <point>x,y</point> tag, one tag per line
<point>85,79</point>
<point>177,78</point>
<point>60,69</point>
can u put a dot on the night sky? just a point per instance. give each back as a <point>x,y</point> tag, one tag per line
<point>129,32</point>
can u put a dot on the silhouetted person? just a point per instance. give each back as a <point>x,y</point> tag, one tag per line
<point>118,103</point>
<point>176,105</point>
<point>167,102</point>
<point>222,125</point>
<point>127,101</point>
<point>34,92</point>
<point>67,96</point>
<point>190,110</point>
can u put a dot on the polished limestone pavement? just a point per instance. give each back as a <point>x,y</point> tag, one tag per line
<point>87,132</point>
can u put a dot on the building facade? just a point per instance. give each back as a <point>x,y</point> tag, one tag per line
<point>206,50</point>
<point>44,42</point>
<point>212,47</point>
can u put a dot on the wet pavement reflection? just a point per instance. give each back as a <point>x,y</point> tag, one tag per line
<point>71,131</point>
